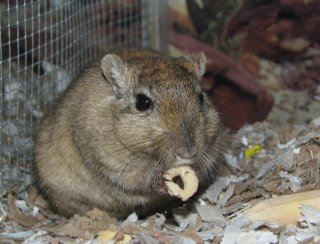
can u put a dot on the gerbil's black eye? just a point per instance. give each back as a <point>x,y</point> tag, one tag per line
<point>201,99</point>
<point>143,102</point>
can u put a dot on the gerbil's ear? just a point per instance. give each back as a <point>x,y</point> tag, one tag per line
<point>199,60</point>
<point>114,70</point>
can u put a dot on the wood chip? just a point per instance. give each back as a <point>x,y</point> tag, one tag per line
<point>17,215</point>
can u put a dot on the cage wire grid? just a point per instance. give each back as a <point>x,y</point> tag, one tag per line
<point>44,45</point>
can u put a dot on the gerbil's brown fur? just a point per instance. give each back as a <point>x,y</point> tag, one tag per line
<point>95,148</point>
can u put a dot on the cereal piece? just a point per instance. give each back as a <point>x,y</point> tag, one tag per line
<point>189,179</point>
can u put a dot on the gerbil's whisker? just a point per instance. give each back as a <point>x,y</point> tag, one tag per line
<point>132,158</point>
<point>212,162</point>
<point>157,172</point>
<point>202,163</point>
<point>135,154</point>
<point>134,145</point>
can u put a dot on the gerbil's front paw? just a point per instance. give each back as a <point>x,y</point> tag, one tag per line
<point>189,180</point>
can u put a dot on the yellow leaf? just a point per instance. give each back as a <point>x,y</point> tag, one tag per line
<point>252,150</point>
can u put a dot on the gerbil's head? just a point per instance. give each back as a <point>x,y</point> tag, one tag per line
<point>161,115</point>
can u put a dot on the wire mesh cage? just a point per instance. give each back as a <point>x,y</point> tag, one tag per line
<point>44,44</point>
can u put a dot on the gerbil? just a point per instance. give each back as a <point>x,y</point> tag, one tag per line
<point>127,119</point>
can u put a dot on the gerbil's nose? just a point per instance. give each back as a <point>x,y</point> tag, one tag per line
<point>187,153</point>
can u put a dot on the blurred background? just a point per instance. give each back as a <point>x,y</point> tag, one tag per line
<point>258,53</point>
